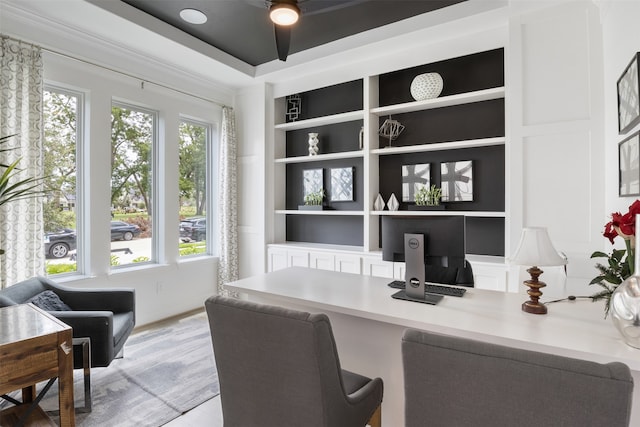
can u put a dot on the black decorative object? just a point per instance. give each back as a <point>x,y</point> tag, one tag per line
<point>628,166</point>
<point>294,107</point>
<point>629,96</point>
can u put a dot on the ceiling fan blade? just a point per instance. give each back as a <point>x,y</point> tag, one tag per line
<point>283,39</point>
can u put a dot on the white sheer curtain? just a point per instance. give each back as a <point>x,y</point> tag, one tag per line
<point>228,203</point>
<point>21,224</point>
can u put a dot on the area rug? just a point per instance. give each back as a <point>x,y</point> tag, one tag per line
<point>165,372</point>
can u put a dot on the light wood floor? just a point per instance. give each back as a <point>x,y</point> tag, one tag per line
<point>208,414</point>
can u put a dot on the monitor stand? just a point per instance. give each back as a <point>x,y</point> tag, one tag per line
<point>414,272</point>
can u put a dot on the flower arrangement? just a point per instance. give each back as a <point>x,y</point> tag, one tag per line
<point>620,262</point>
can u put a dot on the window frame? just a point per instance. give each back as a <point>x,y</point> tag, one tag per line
<point>210,183</point>
<point>80,205</point>
<point>155,178</point>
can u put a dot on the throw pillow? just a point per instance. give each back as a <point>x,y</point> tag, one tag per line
<point>49,301</point>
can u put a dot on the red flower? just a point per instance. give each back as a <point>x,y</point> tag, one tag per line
<point>623,225</point>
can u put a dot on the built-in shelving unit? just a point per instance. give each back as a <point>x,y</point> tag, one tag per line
<point>466,122</point>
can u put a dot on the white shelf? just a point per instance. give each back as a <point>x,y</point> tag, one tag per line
<point>476,214</point>
<point>326,212</point>
<point>320,157</point>
<point>445,101</point>
<point>437,146</point>
<point>322,121</point>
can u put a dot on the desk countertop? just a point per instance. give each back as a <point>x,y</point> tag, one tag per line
<point>574,329</point>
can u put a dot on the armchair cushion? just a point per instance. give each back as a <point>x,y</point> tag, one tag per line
<point>49,301</point>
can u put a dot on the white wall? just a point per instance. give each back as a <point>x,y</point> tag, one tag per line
<point>555,118</point>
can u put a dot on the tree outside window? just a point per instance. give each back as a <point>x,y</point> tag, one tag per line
<point>132,141</point>
<point>193,139</point>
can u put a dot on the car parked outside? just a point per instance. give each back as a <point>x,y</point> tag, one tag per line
<point>193,229</point>
<point>58,244</point>
<point>121,230</point>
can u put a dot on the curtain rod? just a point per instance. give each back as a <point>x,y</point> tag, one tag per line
<point>65,55</point>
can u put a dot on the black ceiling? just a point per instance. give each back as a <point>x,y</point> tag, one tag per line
<point>242,28</point>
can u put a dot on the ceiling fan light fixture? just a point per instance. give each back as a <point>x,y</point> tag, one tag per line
<point>193,16</point>
<point>284,14</point>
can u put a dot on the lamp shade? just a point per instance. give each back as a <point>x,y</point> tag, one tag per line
<point>535,249</point>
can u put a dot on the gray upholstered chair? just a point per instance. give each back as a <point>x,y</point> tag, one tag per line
<point>279,367</point>
<point>106,316</point>
<point>452,381</point>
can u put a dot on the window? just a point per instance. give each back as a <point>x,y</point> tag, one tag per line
<point>194,138</point>
<point>62,133</point>
<point>133,135</point>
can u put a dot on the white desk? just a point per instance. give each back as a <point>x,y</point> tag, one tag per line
<point>368,324</point>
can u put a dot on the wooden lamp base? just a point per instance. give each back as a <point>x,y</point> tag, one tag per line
<point>533,305</point>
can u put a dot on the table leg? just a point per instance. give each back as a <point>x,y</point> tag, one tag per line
<point>28,394</point>
<point>65,379</point>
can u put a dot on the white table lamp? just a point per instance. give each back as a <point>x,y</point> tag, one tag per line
<point>535,249</point>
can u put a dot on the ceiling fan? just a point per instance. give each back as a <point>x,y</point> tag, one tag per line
<point>283,14</point>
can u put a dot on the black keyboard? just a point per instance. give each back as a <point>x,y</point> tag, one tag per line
<point>433,289</point>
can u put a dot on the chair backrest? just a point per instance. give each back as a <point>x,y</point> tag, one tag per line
<point>452,381</point>
<point>276,367</point>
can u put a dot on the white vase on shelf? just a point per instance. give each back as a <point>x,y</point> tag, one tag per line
<point>313,144</point>
<point>426,86</point>
<point>393,204</point>
<point>378,204</point>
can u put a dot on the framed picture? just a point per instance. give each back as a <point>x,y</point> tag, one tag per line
<point>312,181</point>
<point>457,181</point>
<point>629,96</point>
<point>413,178</point>
<point>341,184</point>
<point>629,166</point>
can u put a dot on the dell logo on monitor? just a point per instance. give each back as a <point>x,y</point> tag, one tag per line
<point>414,243</point>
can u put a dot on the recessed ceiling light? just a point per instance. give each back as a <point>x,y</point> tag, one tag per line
<point>193,16</point>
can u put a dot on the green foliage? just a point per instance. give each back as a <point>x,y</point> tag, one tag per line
<point>59,268</point>
<point>193,166</point>
<point>141,259</point>
<point>428,196</point>
<point>131,143</point>
<point>57,219</point>
<point>314,199</point>
<point>13,187</point>
<point>114,260</point>
<point>612,273</point>
<point>192,248</point>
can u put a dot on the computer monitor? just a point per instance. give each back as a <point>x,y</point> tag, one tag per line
<point>444,239</point>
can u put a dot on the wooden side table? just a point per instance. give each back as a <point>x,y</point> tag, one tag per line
<point>34,347</point>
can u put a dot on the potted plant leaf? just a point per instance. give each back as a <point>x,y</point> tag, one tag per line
<point>11,186</point>
<point>313,201</point>
<point>427,198</point>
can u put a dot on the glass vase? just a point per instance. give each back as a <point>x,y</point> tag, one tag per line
<point>625,310</point>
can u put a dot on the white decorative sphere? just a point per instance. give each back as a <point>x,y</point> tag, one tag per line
<point>426,86</point>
